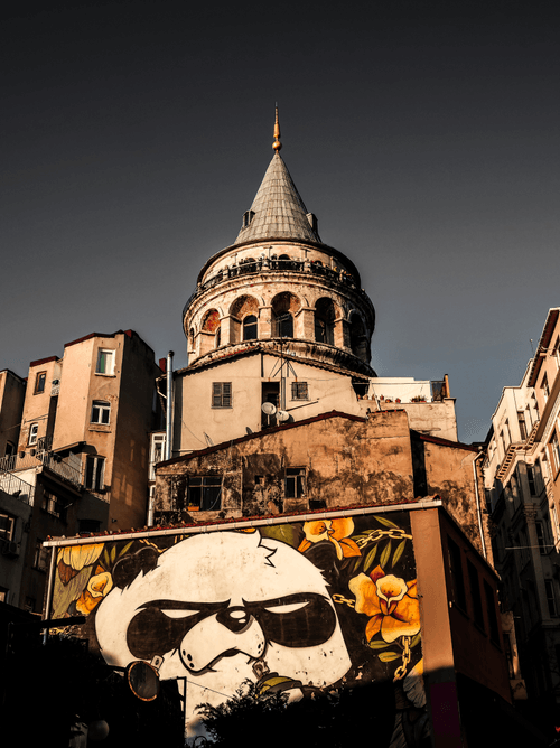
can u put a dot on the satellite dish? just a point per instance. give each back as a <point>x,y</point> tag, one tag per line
<point>268,408</point>
<point>283,415</point>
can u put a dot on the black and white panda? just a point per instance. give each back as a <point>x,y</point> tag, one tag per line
<point>219,607</point>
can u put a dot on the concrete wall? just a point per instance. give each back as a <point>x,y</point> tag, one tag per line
<point>328,389</point>
<point>12,396</point>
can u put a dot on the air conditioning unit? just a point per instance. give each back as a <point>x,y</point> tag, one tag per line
<point>10,548</point>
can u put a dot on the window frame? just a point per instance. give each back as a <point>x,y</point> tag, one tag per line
<point>33,437</point>
<point>457,588</point>
<point>40,382</point>
<point>97,472</point>
<point>300,391</point>
<point>222,395</point>
<point>204,493</point>
<point>103,408</point>
<point>250,330</point>
<point>7,534</point>
<point>295,482</point>
<point>101,354</point>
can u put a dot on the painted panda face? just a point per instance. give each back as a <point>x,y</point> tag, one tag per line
<point>218,603</point>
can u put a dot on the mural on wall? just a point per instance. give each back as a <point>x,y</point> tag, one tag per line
<point>294,607</point>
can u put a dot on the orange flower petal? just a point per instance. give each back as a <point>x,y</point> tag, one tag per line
<point>349,548</point>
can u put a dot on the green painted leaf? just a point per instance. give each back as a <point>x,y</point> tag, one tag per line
<point>385,555</point>
<point>416,639</point>
<point>399,552</point>
<point>368,563</point>
<point>126,548</point>
<point>379,644</point>
<point>389,656</point>
<point>387,522</point>
<point>113,554</point>
<point>283,533</point>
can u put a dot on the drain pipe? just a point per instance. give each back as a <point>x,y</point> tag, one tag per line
<point>478,512</point>
<point>168,419</point>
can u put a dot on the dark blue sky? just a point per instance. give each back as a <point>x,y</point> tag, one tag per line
<point>424,135</point>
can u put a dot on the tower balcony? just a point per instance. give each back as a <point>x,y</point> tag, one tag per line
<point>276,267</point>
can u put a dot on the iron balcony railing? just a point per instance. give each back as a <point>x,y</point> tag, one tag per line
<point>275,266</point>
<point>48,460</point>
<point>11,484</point>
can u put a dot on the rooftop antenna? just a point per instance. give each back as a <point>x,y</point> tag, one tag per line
<point>532,348</point>
<point>276,145</point>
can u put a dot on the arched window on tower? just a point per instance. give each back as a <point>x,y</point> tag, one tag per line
<point>324,321</point>
<point>284,306</point>
<point>358,338</point>
<point>250,327</point>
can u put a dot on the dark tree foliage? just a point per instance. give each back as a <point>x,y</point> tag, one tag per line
<point>49,690</point>
<point>333,718</point>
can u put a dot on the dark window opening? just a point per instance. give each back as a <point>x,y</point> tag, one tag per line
<point>457,590</point>
<point>475,594</point>
<point>300,391</point>
<point>492,615</point>
<point>270,394</point>
<point>295,483</point>
<point>94,473</point>
<point>40,382</point>
<point>283,326</point>
<point>204,493</point>
<point>324,321</point>
<point>250,328</point>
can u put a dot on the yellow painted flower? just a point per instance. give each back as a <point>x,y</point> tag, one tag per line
<point>78,556</point>
<point>335,530</point>
<point>390,602</point>
<point>97,587</point>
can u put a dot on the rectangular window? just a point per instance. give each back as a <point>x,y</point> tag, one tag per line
<point>458,595</point>
<point>221,395</point>
<point>555,451</point>
<point>53,505</point>
<point>545,389</point>
<point>540,537</point>
<point>474,586</point>
<point>40,382</point>
<point>550,597</point>
<point>100,412</point>
<point>531,479</point>
<point>491,611</point>
<point>204,493</point>
<point>300,391</point>
<point>522,425</point>
<point>41,558</point>
<point>33,432</point>
<point>7,525</point>
<point>94,472</point>
<point>294,483</point>
<point>105,361</point>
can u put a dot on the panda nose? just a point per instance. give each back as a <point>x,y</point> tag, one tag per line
<point>235,619</point>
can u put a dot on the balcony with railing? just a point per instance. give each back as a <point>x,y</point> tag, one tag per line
<point>265,265</point>
<point>15,486</point>
<point>66,468</point>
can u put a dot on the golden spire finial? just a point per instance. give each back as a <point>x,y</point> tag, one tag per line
<point>276,145</point>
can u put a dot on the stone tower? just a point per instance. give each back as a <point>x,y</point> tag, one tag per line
<point>279,284</point>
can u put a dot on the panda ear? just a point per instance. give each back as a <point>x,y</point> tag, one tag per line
<point>127,569</point>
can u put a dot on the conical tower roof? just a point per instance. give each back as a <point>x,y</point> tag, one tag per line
<point>278,210</point>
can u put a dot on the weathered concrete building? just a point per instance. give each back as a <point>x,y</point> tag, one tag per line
<point>522,469</point>
<point>333,460</point>
<point>83,447</point>
<point>12,396</point>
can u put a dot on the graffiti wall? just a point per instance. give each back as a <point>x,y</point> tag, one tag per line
<point>294,607</point>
